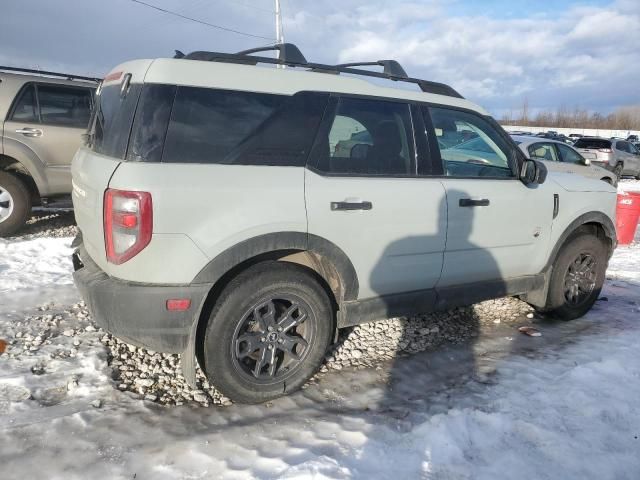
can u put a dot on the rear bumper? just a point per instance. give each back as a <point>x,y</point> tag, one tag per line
<point>136,313</point>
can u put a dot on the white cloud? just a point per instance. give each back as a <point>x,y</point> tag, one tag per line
<point>585,56</point>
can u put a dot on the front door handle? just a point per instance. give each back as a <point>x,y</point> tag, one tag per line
<point>469,202</point>
<point>351,206</point>
<point>30,132</point>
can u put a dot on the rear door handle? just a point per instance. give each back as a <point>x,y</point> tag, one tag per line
<point>351,206</point>
<point>30,132</point>
<point>468,202</point>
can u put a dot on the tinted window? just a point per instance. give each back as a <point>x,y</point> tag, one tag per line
<point>469,145</point>
<point>623,147</point>
<point>26,107</point>
<point>368,137</point>
<point>592,143</point>
<point>569,155</point>
<point>206,125</point>
<point>113,120</point>
<point>64,106</point>
<point>543,151</point>
<point>150,124</point>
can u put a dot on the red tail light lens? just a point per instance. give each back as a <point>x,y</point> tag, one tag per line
<point>128,224</point>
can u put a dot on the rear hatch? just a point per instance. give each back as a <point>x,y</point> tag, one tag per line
<point>597,149</point>
<point>95,163</point>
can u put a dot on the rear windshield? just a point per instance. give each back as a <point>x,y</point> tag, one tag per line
<point>113,119</point>
<point>592,143</point>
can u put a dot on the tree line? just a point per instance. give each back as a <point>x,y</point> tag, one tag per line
<point>623,118</point>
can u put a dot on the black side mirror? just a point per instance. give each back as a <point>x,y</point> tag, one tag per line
<point>533,172</point>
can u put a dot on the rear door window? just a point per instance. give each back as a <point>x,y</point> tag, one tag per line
<point>64,106</point>
<point>26,108</point>
<point>367,137</point>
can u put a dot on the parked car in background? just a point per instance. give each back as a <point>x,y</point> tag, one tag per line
<point>633,138</point>
<point>216,221</point>
<point>619,156</point>
<point>559,157</point>
<point>575,136</point>
<point>42,118</point>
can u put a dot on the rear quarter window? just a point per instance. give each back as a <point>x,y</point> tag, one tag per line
<point>243,128</point>
<point>114,116</point>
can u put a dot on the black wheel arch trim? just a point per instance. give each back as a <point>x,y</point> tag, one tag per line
<point>278,242</point>
<point>589,217</point>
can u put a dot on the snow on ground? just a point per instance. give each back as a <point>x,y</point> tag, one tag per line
<point>34,263</point>
<point>564,405</point>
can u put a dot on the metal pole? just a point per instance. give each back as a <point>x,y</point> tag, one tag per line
<point>279,31</point>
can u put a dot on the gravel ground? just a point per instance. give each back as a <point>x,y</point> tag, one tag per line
<point>48,222</point>
<point>156,376</point>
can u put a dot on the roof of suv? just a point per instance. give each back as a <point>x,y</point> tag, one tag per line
<point>240,72</point>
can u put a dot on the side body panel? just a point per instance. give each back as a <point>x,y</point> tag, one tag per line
<point>507,238</point>
<point>199,211</point>
<point>397,245</point>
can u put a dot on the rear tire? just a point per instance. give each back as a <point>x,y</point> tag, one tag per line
<point>577,277</point>
<point>268,332</point>
<point>617,171</point>
<point>15,204</point>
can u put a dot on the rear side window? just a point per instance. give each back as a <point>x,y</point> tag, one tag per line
<point>64,106</point>
<point>26,109</point>
<point>368,137</point>
<point>242,128</point>
<point>592,143</point>
<point>114,116</point>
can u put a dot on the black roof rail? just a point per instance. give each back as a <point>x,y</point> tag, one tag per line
<point>68,76</point>
<point>390,67</point>
<point>290,55</point>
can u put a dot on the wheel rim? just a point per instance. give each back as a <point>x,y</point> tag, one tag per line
<point>580,279</point>
<point>273,339</point>
<point>6,204</point>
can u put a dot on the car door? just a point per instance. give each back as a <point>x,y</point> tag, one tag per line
<point>497,227</point>
<point>635,158</point>
<point>575,163</point>
<point>370,202</point>
<point>50,120</point>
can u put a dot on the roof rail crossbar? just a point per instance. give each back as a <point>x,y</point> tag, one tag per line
<point>294,58</point>
<point>390,67</point>
<point>287,53</point>
<point>68,76</point>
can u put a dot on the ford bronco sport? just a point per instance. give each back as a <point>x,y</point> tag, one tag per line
<point>218,219</point>
<point>42,118</point>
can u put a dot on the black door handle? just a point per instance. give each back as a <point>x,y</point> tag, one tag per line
<point>351,205</point>
<point>468,202</point>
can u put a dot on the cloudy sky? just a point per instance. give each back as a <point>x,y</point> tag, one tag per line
<point>583,53</point>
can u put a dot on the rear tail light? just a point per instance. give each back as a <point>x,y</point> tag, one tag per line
<point>128,224</point>
<point>605,150</point>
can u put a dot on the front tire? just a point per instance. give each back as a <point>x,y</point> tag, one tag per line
<point>577,277</point>
<point>15,204</point>
<point>268,332</point>
<point>617,171</point>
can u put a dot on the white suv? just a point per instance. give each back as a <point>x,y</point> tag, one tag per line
<point>219,220</point>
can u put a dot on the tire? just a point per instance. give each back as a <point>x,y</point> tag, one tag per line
<point>244,328</point>
<point>617,171</point>
<point>568,303</point>
<point>15,204</point>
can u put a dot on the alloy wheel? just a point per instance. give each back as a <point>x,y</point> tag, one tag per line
<point>580,279</point>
